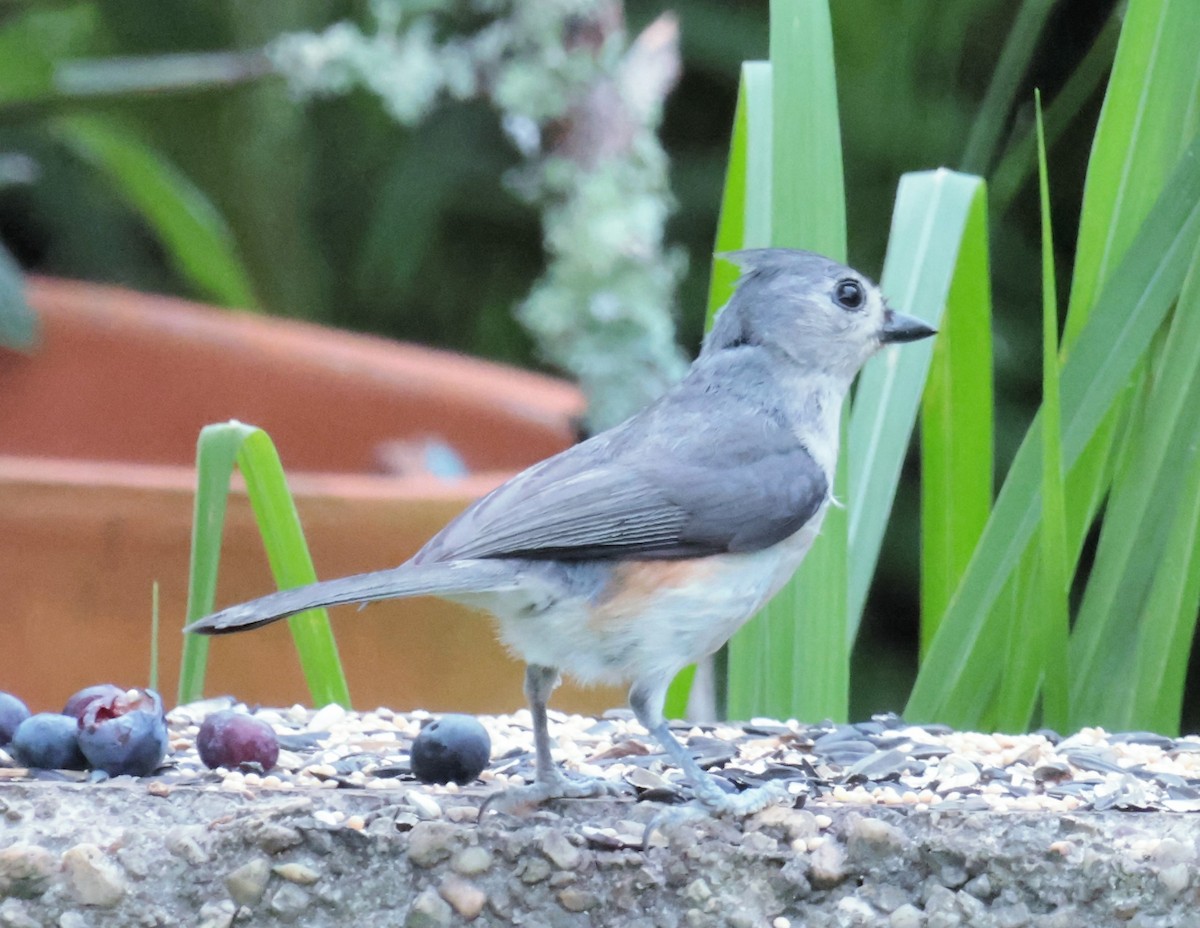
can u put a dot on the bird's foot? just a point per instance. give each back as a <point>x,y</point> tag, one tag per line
<point>739,805</point>
<point>713,802</point>
<point>521,799</point>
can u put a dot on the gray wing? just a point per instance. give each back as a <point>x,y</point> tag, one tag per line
<point>689,477</point>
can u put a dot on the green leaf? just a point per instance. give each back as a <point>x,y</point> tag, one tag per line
<point>1143,554</point>
<point>744,222</point>
<point>1151,109</point>
<point>992,118</point>
<point>745,217</point>
<point>1019,160</point>
<point>679,692</point>
<point>937,215</point>
<point>961,660</point>
<point>18,323</point>
<point>808,210</point>
<point>759,674</point>
<point>808,199</point>
<point>1039,630</point>
<point>957,427</point>
<point>31,40</point>
<point>194,234</point>
<point>219,448</point>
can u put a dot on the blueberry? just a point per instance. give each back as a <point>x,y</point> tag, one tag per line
<point>48,741</point>
<point>125,733</point>
<point>12,713</point>
<point>230,739</point>
<point>78,703</point>
<point>452,749</point>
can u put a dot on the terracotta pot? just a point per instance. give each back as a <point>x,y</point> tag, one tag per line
<point>97,439</point>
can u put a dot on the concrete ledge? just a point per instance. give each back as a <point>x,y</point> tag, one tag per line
<point>126,852</point>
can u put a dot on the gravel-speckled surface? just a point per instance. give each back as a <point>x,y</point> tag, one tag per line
<point>893,825</point>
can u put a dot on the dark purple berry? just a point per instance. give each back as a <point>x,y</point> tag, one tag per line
<point>48,741</point>
<point>85,697</point>
<point>12,713</point>
<point>452,749</point>
<point>125,733</point>
<point>230,739</point>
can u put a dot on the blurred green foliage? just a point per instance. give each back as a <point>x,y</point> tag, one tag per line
<point>339,214</point>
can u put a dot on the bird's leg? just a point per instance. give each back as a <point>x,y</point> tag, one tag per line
<point>646,700</point>
<point>549,782</point>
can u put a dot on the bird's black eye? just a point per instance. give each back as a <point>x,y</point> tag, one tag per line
<point>849,293</point>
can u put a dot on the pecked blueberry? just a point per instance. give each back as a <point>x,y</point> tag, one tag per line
<point>85,697</point>
<point>452,749</point>
<point>12,713</point>
<point>125,733</point>
<point>230,739</point>
<point>48,741</point>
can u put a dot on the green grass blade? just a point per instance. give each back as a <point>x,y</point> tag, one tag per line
<point>992,118</point>
<point>193,232</point>
<point>961,658</point>
<point>1149,114</point>
<point>220,446</point>
<point>1020,158</point>
<point>216,456</point>
<point>1151,109</point>
<point>155,626</point>
<point>937,215</point>
<point>1055,571</point>
<point>957,428</point>
<point>292,565</point>
<point>1139,555</point>
<point>1169,619</point>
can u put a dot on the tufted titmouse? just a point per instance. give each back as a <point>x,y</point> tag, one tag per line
<point>643,549</point>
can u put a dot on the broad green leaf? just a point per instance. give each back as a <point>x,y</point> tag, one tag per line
<point>801,634</point>
<point>961,658</point>
<point>808,199</point>
<point>220,447</point>
<point>957,427</point>
<point>193,232</point>
<point>937,214</point>
<point>808,210</point>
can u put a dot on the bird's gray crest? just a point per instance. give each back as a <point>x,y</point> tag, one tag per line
<point>776,260</point>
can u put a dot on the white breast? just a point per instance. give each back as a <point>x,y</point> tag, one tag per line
<point>654,636</point>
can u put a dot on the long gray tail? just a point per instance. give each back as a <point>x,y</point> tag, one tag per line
<point>475,576</point>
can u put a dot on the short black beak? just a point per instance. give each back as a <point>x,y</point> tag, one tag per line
<point>898,327</point>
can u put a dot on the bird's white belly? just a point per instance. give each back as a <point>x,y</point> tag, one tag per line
<point>664,615</point>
